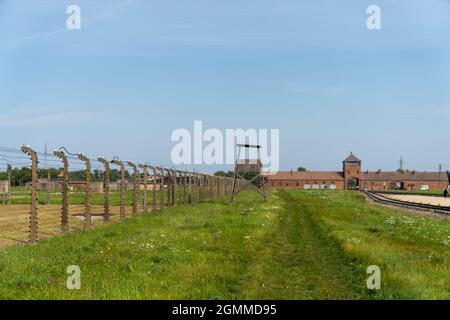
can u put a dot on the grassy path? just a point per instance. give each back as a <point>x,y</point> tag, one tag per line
<point>297,263</point>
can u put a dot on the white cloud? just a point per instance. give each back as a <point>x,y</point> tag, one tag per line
<point>36,36</point>
<point>45,120</point>
<point>332,90</point>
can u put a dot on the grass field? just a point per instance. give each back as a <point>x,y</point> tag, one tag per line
<point>298,245</point>
<point>14,218</point>
<point>22,196</point>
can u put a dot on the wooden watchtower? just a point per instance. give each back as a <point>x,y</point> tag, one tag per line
<point>244,168</point>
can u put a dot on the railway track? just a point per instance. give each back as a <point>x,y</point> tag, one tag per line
<point>405,204</point>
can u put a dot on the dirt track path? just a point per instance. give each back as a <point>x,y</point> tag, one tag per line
<point>299,263</point>
<point>437,201</point>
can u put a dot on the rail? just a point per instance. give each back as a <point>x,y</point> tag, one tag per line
<point>406,204</point>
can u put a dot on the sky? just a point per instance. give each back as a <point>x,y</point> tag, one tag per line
<point>138,70</point>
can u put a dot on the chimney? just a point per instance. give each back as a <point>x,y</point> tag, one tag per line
<point>291,172</point>
<point>414,171</point>
<point>378,171</point>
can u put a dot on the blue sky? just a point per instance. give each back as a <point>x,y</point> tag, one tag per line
<point>137,70</point>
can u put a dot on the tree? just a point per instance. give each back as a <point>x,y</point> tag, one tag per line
<point>301,169</point>
<point>228,174</point>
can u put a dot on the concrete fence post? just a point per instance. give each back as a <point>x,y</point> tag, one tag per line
<point>48,186</point>
<point>211,186</point>
<point>34,197</point>
<point>226,185</point>
<point>9,188</point>
<point>194,187</point>
<point>203,186</point>
<point>189,187</point>
<point>162,187</point>
<point>199,186</point>
<point>218,186</point>
<point>174,187</point>
<point>122,186</point>
<point>169,187</point>
<point>135,187</point>
<point>106,179</point>
<point>64,192</point>
<point>144,167</point>
<point>185,200</point>
<point>155,177</point>
<point>87,200</point>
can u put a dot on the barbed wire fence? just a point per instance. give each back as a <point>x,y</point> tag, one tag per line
<point>48,194</point>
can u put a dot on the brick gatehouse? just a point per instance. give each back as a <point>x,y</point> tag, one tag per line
<point>352,177</point>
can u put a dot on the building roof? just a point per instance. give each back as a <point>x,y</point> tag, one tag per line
<point>307,175</point>
<point>365,176</point>
<point>351,158</point>
<point>403,176</point>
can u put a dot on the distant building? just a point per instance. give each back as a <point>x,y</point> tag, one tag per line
<point>352,177</point>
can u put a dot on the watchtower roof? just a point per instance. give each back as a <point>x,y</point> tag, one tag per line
<point>248,166</point>
<point>352,158</point>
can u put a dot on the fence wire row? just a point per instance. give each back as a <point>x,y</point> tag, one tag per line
<point>44,195</point>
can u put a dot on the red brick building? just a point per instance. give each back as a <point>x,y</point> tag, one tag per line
<point>352,177</point>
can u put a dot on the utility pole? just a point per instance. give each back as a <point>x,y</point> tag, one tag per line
<point>401,162</point>
<point>439,176</point>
